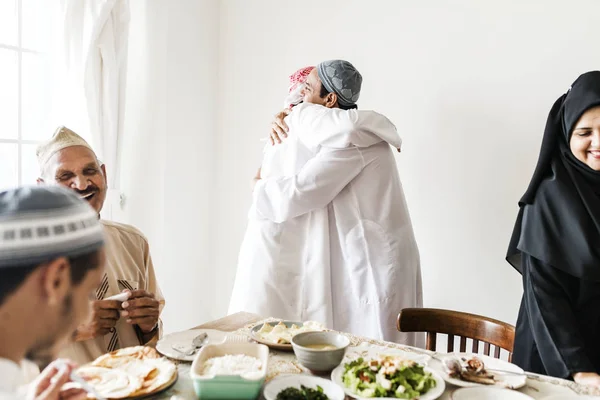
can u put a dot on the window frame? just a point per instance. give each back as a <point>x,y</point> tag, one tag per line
<point>20,50</point>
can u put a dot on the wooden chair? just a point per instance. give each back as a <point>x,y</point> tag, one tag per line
<point>453,323</point>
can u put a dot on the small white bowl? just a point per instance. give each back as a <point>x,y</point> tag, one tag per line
<point>316,360</point>
<point>488,393</point>
<point>570,397</point>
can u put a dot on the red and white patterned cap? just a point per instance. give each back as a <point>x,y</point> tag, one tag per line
<point>299,77</point>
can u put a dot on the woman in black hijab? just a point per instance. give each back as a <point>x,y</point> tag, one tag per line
<point>556,243</point>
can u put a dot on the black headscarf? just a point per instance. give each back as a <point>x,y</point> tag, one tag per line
<point>559,215</point>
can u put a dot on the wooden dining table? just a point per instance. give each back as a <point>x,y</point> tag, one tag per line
<point>537,387</point>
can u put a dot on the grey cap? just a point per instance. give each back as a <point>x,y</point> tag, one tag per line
<point>340,77</point>
<point>41,223</point>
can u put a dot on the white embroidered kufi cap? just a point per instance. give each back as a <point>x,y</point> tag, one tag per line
<point>40,223</point>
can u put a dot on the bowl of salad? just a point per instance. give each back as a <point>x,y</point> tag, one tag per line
<point>388,377</point>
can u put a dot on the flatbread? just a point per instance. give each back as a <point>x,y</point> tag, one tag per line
<point>122,356</point>
<point>281,334</point>
<point>111,383</point>
<point>140,368</point>
<point>129,372</point>
<point>162,374</point>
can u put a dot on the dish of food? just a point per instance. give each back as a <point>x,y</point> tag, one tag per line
<point>132,372</point>
<point>388,377</point>
<point>469,370</point>
<point>278,335</point>
<point>374,351</point>
<point>301,387</point>
<point>230,370</point>
<point>304,393</point>
<point>232,364</point>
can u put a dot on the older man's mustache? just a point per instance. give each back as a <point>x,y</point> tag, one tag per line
<point>88,192</point>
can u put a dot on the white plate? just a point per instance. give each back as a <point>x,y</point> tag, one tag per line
<point>488,393</point>
<point>183,340</point>
<point>432,394</point>
<point>333,391</point>
<point>511,381</point>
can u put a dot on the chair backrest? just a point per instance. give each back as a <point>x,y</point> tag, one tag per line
<point>454,323</point>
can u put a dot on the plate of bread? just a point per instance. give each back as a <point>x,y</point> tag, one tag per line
<point>129,373</point>
<point>278,334</point>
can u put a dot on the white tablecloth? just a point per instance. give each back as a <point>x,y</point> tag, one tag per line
<point>537,387</point>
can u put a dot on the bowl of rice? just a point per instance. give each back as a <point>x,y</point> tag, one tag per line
<point>230,371</point>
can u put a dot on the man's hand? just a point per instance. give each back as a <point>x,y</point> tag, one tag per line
<point>105,314</point>
<point>47,386</point>
<point>587,378</point>
<point>279,128</point>
<point>141,309</point>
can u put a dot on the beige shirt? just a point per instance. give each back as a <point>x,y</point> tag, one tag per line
<point>128,266</point>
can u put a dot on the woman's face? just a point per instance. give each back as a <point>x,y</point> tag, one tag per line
<point>585,140</point>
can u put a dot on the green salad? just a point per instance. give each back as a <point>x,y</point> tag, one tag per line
<point>387,376</point>
<point>304,393</point>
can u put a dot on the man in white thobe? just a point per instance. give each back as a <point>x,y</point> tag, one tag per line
<point>374,258</point>
<point>274,258</point>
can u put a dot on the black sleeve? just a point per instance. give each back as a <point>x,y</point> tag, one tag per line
<point>547,294</point>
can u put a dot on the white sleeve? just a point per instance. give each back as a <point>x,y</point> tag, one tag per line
<point>318,182</point>
<point>317,125</point>
<point>314,124</point>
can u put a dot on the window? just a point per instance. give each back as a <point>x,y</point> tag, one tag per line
<point>25,87</point>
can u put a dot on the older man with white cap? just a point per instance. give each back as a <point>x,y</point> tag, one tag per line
<point>374,259</point>
<point>68,160</point>
<point>51,261</point>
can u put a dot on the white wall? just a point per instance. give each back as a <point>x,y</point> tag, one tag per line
<point>167,154</point>
<point>468,84</point>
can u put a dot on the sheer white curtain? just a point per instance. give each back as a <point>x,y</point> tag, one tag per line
<point>90,69</point>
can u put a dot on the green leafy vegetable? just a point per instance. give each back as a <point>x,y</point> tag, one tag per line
<point>387,376</point>
<point>304,393</point>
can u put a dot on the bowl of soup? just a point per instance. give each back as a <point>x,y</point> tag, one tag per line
<point>320,352</point>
